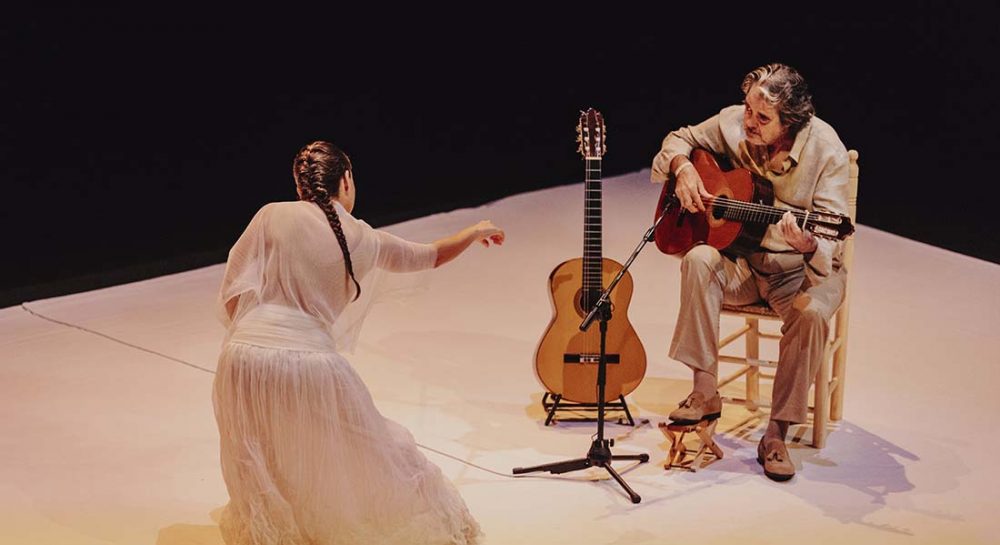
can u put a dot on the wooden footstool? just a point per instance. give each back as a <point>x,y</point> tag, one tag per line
<point>678,455</point>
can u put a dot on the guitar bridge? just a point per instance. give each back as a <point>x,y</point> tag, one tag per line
<point>591,358</point>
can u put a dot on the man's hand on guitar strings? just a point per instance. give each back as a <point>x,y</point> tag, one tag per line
<point>802,241</point>
<point>690,189</point>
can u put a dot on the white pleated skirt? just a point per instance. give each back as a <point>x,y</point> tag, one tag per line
<point>306,456</point>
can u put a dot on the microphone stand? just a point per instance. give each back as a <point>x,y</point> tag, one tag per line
<point>599,454</point>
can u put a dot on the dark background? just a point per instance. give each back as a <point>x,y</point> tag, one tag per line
<point>138,143</point>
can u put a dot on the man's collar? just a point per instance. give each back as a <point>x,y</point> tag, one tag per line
<point>800,142</point>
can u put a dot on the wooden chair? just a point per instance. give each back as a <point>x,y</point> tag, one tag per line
<point>828,390</point>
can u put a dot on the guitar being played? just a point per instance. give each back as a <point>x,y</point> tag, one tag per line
<point>731,211</point>
<point>777,147</point>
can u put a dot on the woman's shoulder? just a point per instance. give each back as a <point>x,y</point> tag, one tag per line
<point>290,209</point>
<point>301,212</point>
<point>288,213</point>
<point>286,206</point>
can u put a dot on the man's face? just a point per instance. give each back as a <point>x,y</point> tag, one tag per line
<point>760,119</point>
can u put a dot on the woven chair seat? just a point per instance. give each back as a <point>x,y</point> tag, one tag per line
<point>760,309</point>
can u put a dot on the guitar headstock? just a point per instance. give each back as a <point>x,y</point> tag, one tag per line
<point>829,226</point>
<point>591,134</point>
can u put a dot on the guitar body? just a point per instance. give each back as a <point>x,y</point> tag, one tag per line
<point>565,361</point>
<point>681,230</point>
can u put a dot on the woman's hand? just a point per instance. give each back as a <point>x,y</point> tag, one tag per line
<point>486,232</point>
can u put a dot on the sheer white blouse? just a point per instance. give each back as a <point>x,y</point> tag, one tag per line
<point>289,256</point>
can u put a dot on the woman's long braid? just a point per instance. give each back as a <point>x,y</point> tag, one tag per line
<point>325,204</point>
<point>315,167</point>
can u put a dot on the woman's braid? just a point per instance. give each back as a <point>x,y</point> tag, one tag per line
<point>318,167</point>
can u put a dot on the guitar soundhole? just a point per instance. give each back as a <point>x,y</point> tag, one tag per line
<point>720,206</point>
<point>585,300</point>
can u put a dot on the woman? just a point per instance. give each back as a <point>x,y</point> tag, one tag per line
<point>306,456</point>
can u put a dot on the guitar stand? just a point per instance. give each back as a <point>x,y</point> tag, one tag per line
<point>557,404</point>
<point>599,454</point>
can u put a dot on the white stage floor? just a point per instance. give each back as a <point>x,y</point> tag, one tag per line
<point>104,442</point>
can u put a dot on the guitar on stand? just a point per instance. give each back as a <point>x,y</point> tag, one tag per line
<point>587,298</point>
<point>566,360</point>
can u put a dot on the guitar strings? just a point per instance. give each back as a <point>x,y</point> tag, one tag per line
<point>744,206</point>
<point>773,214</point>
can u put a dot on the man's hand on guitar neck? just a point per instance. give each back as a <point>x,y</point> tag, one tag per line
<point>690,190</point>
<point>802,241</point>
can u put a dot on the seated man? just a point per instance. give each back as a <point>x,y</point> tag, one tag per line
<point>774,134</point>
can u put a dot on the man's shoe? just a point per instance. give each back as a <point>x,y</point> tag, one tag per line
<point>696,408</point>
<point>773,455</point>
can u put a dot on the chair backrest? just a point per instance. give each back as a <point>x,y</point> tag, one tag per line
<point>848,256</point>
<point>852,205</point>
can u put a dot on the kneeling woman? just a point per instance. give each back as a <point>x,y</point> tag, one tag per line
<point>306,456</point>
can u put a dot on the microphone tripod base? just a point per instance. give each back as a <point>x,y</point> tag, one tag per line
<point>598,456</point>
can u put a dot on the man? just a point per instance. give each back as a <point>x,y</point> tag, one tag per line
<point>774,134</point>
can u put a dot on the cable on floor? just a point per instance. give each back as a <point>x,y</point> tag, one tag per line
<point>27,309</point>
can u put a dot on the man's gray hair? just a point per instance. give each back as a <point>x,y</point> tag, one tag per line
<point>785,89</point>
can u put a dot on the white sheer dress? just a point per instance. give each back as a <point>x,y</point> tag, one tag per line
<point>306,456</point>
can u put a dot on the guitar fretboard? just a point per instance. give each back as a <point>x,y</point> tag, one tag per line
<point>754,212</point>
<point>592,226</point>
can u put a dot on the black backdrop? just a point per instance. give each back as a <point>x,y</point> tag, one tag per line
<point>140,143</point>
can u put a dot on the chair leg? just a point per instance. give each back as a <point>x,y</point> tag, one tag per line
<point>753,371</point>
<point>840,363</point>
<point>839,367</point>
<point>821,407</point>
<point>839,372</point>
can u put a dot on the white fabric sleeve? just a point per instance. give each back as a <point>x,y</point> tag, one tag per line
<point>394,254</point>
<point>400,255</point>
<point>244,277</point>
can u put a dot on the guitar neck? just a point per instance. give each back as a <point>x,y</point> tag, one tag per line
<point>822,224</point>
<point>592,224</point>
<point>756,213</point>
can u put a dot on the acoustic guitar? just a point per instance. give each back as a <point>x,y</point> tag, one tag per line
<point>567,359</point>
<point>736,219</point>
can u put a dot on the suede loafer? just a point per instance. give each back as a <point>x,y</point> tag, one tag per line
<point>696,408</point>
<point>773,455</point>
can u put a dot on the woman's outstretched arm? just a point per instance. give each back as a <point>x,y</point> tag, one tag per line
<point>449,248</point>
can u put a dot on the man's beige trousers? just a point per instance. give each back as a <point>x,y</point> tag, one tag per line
<point>708,279</point>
